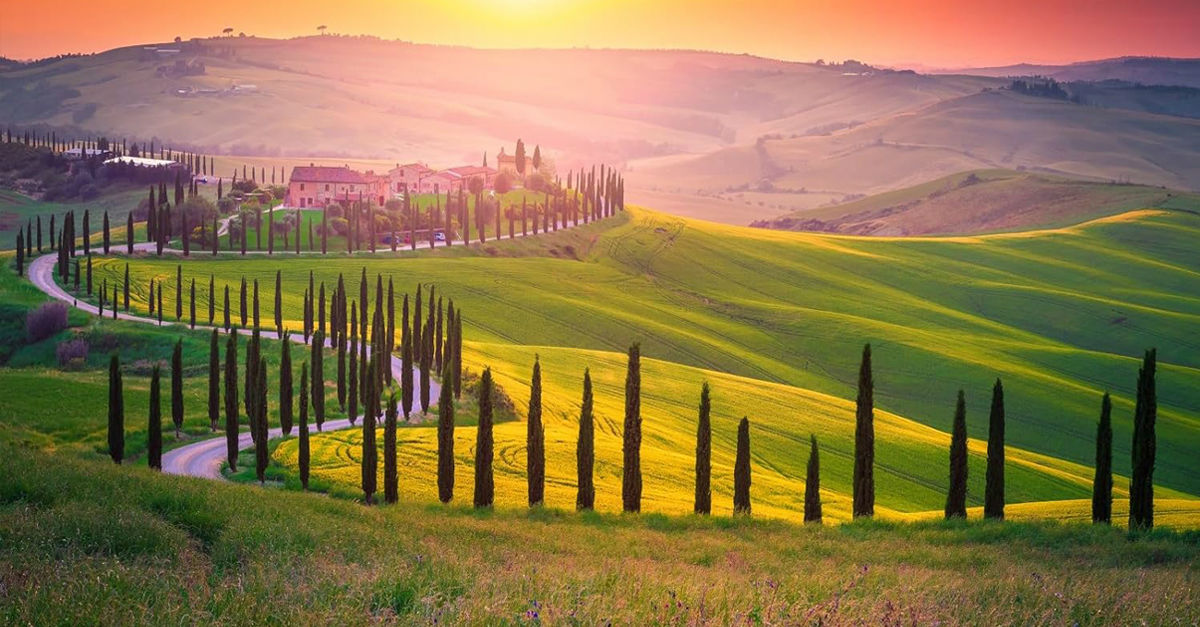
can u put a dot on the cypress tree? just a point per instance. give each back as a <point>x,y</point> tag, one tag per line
<point>864,440</point>
<point>370,454</point>
<point>231,402</point>
<point>416,326</point>
<point>257,319</point>
<point>129,233</point>
<point>214,381</point>
<point>425,365</point>
<point>484,487</point>
<point>956,496</point>
<point>458,354</point>
<point>107,235</point>
<point>192,305</point>
<point>212,299</point>
<point>260,421</point>
<point>341,372</point>
<point>116,410</point>
<point>406,375</point>
<point>703,504</point>
<point>244,303</point>
<point>285,385</point>
<point>87,232</point>
<point>437,339</point>
<point>154,430</point>
<point>993,500</point>
<point>278,304</point>
<point>741,470</point>
<point>89,275</point>
<point>445,434</point>
<point>228,325</point>
<point>631,476</point>
<point>354,394</point>
<point>812,486</point>
<point>1103,482</point>
<point>535,439</point>
<point>303,452</point>
<point>125,288</point>
<point>1141,479</point>
<point>585,451</point>
<point>177,387</point>
<point>389,452</point>
<point>20,254</point>
<point>318,379</point>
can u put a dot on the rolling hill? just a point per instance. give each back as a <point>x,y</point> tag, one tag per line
<point>1144,70</point>
<point>982,201</point>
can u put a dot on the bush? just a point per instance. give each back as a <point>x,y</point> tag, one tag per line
<point>45,321</point>
<point>72,353</point>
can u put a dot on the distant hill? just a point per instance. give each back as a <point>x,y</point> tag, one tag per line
<point>1144,70</point>
<point>981,202</point>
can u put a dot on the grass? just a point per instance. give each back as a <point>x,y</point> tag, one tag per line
<point>17,209</point>
<point>139,547</point>
<point>1060,315</point>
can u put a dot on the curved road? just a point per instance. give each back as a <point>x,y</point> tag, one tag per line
<point>202,458</point>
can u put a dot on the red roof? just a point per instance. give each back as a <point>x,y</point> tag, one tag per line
<point>470,170</point>
<point>322,174</point>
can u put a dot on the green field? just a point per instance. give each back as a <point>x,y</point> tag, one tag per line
<point>777,320</point>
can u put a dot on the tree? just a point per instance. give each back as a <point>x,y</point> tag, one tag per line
<point>537,157</point>
<point>278,304</point>
<point>107,234</point>
<point>259,421</point>
<point>354,392</point>
<point>864,440</point>
<point>244,302</point>
<point>741,470</point>
<point>231,402</point>
<point>484,488</point>
<point>177,387</point>
<point>406,375</point>
<point>458,353</point>
<point>214,381</point>
<point>812,486</point>
<point>1141,479</point>
<point>703,501</point>
<point>154,430</point>
<point>389,452</point>
<point>426,363</point>
<point>631,476</point>
<point>956,496</point>
<point>445,435</point>
<point>520,157</point>
<point>585,450</point>
<point>370,453</point>
<point>535,440</point>
<point>993,499</point>
<point>116,410</point>
<point>1103,483</point>
<point>20,254</point>
<point>285,385</point>
<point>303,446</point>
<point>318,379</point>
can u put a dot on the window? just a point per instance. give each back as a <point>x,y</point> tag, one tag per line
<point>327,187</point>
<point>302,187</point>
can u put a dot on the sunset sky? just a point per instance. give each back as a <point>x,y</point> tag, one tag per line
<point>936,33</point>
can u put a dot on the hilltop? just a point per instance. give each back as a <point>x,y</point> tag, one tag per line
<point>1144,70</point>
<point>981,201</point>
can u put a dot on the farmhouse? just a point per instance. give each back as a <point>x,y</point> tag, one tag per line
<point>464,173</point>
<point>317,186</point>
<point>407,177</point>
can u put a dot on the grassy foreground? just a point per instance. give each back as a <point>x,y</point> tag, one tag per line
<point>80,540</point>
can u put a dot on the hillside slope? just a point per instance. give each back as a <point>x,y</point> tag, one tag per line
<point>981,201</point>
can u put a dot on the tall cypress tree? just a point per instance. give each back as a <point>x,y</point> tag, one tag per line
<point>107,233</point>
<point>445,434</point>
<point>703,501</point>
<point>178,291</point>
<point>370,453</point>
<point>993,500</point>
<point>228,324</point>
<point>631,476</point>
<point>390,488</point>
<point>535,439</point>
<point>741,470</point>
<point>484,487</point>
<point>214,381</point>
<point>406,375</point>
<point>354,393</point>
<point>1141,479</point>
<point>425,365</point>
<point>864,440</point>
<point>278,304</point>
<point>318,379</point>
<point>585,450</point>
<point>231,402</point>
<point>177,387</point>
<point>812,486</point>
<point>285,385</point>
<point>303,446</point>
<point>458,353</point>
<point>244,303</point>
<point>341,371</point>
<point>956,496</point>
<point>260,421</point>
<point>1103,482</point>
<point>257,319</point>
<point>154,430</point>
<point>212,299</point>
<point>116,410</point>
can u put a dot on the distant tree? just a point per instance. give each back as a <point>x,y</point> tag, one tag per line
<point>231,402</point>
<point>535,440</point>
<point>116,410</point>
<point>484,488</point>
<point>285,385</point>
<point>956,496</point>
<point>227,322</point>
<point>192,305</point>
<point>445,435</point>
<point>154,430</point>
<point>244,303</point>
<point>812,486</point>
<point>520,157</point>
<point>321,30</point>
<point>227,31</point>
<point>475,185</point>
<point>585,450</point>
<point>631,476</point>
<point>303,446</point>
<point>107,234</point>
<point>177,387</point>
<point>278,304</point>
<point>741,470</point>
<point>1103,483</point>
<point>864,440</point>
<point>87,232</point>
<point>537,157</point>
<point>212,298</point>
<point>129,233</point>
<point>318,379</point>
<point>503,183</point>
<point>1141,479</point>
<point>703,501</point>
<point>993,500</point>
<point>214,381</point>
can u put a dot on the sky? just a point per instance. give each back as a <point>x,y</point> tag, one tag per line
<point>922,33</point>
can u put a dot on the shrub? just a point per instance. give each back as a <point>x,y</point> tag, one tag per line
<point>45,321</point>
<point>72,353</point>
